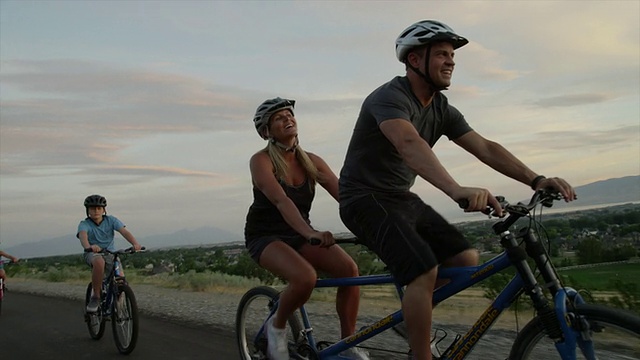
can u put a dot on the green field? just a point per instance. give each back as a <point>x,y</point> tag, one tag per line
<point>601,277</point>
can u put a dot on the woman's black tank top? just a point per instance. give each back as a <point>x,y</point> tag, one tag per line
<point>264,218</point>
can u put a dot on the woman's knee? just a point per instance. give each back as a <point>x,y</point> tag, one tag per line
<point>304,280</point>
<point>342,265</point>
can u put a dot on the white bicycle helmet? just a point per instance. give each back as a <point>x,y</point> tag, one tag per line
<point>268,108</point>
<point>425,32</point>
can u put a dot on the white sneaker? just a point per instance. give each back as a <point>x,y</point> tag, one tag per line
<point>276,342</point>
<point>435,353</point>
<point>355,354</point>
<point>93,305</point>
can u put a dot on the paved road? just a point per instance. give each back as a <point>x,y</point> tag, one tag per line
<point>35,328</point>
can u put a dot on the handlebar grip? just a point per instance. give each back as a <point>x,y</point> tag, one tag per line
<point>314,241</point>
<point>463,203</point>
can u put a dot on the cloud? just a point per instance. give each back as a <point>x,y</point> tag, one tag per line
<point>151,103</point>
<point>573,100</point>
<point>149,170</point>
<point>73,90</point>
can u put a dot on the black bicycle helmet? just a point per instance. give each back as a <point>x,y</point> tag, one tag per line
<point>268,108</point>
<point>426,32</point>
<point>95,200</point>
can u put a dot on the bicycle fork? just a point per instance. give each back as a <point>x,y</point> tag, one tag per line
<point>566,327</point>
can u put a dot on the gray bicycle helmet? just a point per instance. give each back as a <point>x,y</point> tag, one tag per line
<point>268,108</point>
<point>425,32</point>
<point>95,200</point>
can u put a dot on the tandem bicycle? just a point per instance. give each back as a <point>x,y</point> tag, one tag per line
<point>564,327</point>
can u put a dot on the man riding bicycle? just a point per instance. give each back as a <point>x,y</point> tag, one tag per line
<point>391,144</point>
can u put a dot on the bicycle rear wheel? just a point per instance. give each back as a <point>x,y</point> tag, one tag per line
<point>253,310</point>
<point>95,321</point>
<point>615,334</point>
<point>124,319</point>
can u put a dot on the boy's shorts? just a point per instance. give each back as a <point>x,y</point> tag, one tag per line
<point>108,261</point>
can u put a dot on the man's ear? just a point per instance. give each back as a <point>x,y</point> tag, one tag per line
<point>414,59</point>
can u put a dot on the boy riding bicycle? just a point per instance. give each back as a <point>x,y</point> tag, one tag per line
<point>96,232</point>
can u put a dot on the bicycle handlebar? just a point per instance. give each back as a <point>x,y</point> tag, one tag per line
<point>544,197</point>
<point>119,251</point>
<point>345,240</point>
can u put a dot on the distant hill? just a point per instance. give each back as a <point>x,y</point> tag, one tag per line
<point>66,245</point>
<point>611,191</point>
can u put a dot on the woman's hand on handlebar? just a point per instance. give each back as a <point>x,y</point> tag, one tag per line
<point>477,199</point>
<point>324,239</point>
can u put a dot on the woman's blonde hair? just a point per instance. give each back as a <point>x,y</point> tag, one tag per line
<point>280,167</point>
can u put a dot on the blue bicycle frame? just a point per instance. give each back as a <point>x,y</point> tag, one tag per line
<point>460,279</point>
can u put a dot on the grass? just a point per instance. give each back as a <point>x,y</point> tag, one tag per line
<point>600,278</point>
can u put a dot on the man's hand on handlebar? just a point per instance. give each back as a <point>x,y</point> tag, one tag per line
<point>560,185</point>
<point>477,199</point>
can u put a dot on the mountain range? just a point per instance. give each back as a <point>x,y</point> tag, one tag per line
<point>601,193</point>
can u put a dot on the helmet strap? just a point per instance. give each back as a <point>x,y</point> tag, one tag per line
<point>427,76</point>
<point>286,148</point>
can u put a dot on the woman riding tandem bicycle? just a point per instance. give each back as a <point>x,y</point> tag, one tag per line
<point>278,229</point>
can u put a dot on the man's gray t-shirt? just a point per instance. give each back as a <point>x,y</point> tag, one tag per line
<point>372,163</point>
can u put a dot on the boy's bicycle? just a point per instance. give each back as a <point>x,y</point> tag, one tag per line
<point>117,303</point>
<point>2,285</point>
<point>565,326</point>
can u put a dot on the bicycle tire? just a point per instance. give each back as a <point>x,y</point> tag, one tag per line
<point>95,321</point>
<point>124,319</point>
<point>615,334</point>
<point>249,320</point>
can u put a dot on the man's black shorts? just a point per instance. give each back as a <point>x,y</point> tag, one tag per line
<point>408,235</point>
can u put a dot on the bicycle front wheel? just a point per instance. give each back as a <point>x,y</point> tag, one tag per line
<point>253,310</point>
<point>124,319</point>
<point>95,321</point>
<point>615,334</point>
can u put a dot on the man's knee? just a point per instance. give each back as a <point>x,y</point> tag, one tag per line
<point>469,257</point>
<point>425,281</point>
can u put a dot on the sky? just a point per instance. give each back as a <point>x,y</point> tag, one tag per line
<point>150,103</point>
